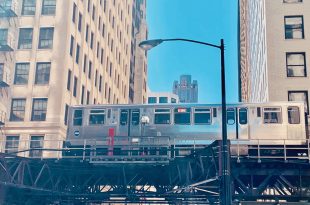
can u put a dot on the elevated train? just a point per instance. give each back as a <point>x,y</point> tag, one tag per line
<point>245,121</point>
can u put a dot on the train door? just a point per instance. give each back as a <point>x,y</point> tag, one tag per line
<point>129,122</point>
<point>243,125</point>
<point>231,123</point>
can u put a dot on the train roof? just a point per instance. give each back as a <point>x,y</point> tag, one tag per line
<point>277,103</point>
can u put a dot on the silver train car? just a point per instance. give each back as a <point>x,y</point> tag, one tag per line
<point>245,121</point>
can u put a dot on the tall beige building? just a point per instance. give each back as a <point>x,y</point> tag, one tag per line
<point>60,53</point>
<point>274,50</point>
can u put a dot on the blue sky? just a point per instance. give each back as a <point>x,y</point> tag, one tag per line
<point>203,20</point>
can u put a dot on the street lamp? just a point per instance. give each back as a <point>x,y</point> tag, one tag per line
<point>225,180</point>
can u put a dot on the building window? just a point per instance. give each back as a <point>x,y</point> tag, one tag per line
<point>77,54</point>
<point>152,100</point>
<point>29,7</point>
<point>11,144</point>
<point>36,146</point>
<point>75,86</point>
<point>43,73</point>
<point>163,100</point>
<point>91,40</point>
<point>85,63</point>
<point>292,1</point>
<point>3,36</point>
<point>46,38</point>
<point>299,96</point>
<point>69,80</point>
<point>48,7</point>
<point>90,65</point>
<point>87,97</point>
<point>71,45</point>
<point>1,72</point>
<point>21,73</point>
<point>18,110</point>
<point>296,65</point>
<point>25,38</point>
<point>80,22</point>
<point>294,27</point>
<point>100,83</point>
<point>74,13</point>
<point>39,108</point>
<point>86,33</point>
<point>82,94</point>
<point>66,114</point>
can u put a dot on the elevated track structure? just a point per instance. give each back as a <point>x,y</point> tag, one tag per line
<point>167,173</point>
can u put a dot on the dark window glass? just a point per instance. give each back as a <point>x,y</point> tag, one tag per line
<point>74,13</point>
<point>29,7</point>
<point>162,116</point>
<point>71,45</point>
<point>80,22</point>
<point>296,65</point>
<point>173,100</point>
<point>75,86</point>
<point>11,144</point>
<point>82,94</point>
<point>294,27</point>
<point>202,116</point>
<point>46,38</point>
<point>272,115</point>
<point>182,116</point>
<point>135,117</point>
<point>293,115</point>
<point>48,7</point>
<point>292,1</point>
<point>163,100</point>
<point>214,112</point>
<point>152,100</point>
<point>87,97</point>
<point>86,33</point>
<point>36,146</point>
<point>39,108</point>
<point>124,117</point>
<point>259,114</point>
<point>66,114</point>
<point>42,73</point>
<point>243,116</point>
<point>77,54</point>
<point>78,117</point>
<point>69,80</point>
<point>21,73</point>
<point>2,77</point>
<point>230,116</point>
<point>25,38</point>
<point>100,83</point>
<point>96,117</point>
<point>4,37</point>
<point>18,110</point>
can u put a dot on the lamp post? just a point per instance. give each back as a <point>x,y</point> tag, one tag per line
<point>225,175</point>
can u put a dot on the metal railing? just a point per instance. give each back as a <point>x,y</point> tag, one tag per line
<point>153,149</point>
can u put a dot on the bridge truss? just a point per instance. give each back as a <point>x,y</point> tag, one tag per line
<point>193,178</point>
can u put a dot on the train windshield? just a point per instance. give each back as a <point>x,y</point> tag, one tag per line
<point>293,115</point>
<point>96,117</point>
<point>202,116</point>
<point>272,115</point>
<point>78,117</point>
<point>162,116</point>
<point>124,117</point>
<point>243,116</point>
<point>182,116</point>
<point>135,117</point>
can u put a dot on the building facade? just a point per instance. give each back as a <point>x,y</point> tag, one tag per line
<point>274,50</point>
<point>62,53</point>
<point>186,89</point>
<point>162,97</point>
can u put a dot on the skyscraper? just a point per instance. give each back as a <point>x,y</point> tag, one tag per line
<point>61,53</point>
<point>186,89</point>
<point>274,48</point>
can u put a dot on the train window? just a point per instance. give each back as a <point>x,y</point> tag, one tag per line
<point>259,112</point>
<point>202,116</point>
<point>272,115</point>
<point>96,117</point>
<point>293,115</point>
<point>78,117</point>
<point>215,112</point>
<point>135,117</point>
<point>182,116</point>
<point>243,116</point>
<point>162,116</point>
<point>230,116</point>
<point>123,117</point>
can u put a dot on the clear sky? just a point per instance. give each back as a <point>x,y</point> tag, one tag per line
<point>203,20</point>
